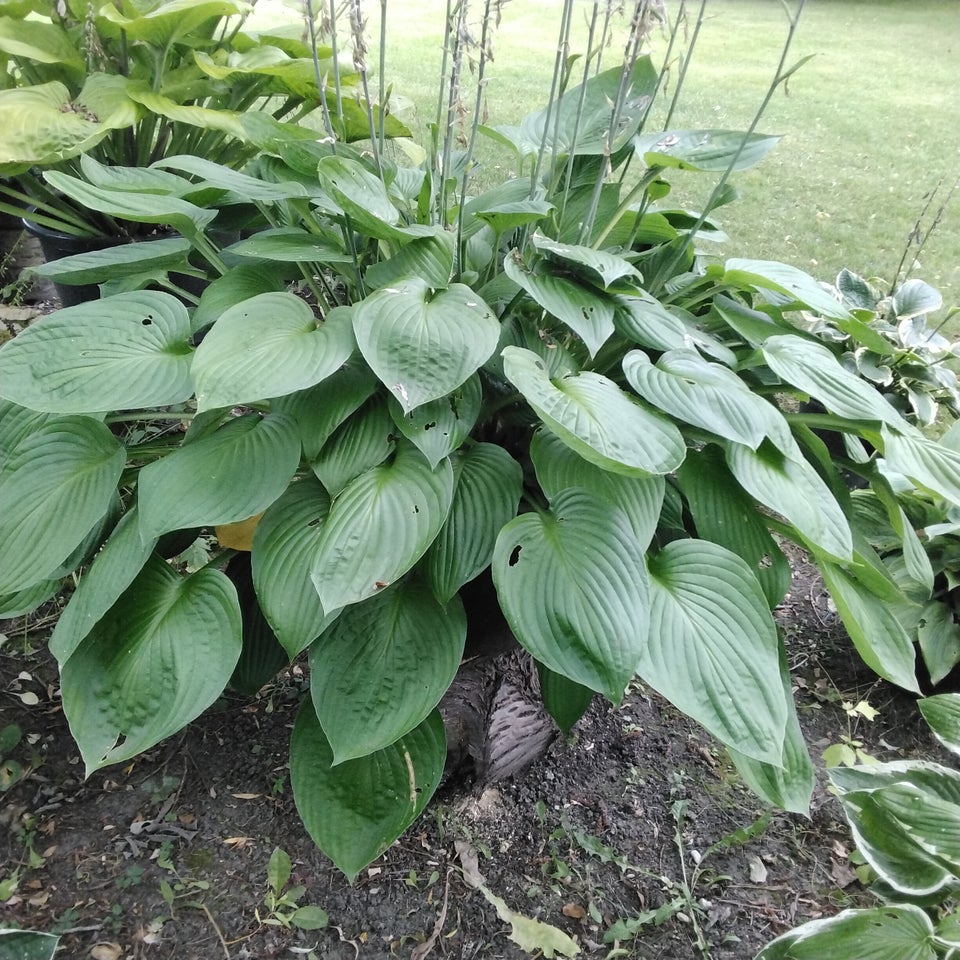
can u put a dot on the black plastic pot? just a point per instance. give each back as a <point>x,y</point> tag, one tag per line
<point>56,245</point>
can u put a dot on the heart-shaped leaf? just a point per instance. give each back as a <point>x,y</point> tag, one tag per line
<point>354,560</point>
<point>130,350</point>
<point>421,342</point>
<point>223,477</point>
<point>593,416</point>
<point>284,546</point>
<point>489,483</point>
<point>156,661</point>
<point>383,667</point>
<point>713,647</point>
<point>356,809</point>
<point>268,346</point>
<point>573,586</point>
<point>57,482</point>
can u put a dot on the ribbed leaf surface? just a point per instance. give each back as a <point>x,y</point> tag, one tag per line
<point>130,350</point>
<point>713,648</point>
<point>156,661</point>
<point>593,416</point>
<point>573,586</point>
<point>355,810</point>
<point>381,669</point>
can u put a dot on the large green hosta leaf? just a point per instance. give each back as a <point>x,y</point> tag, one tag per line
<point>38,40</point>
<point>379,527</point>
<point>713,648</point>
<point>489,483</point>
<point>724,513</point>
<point>785,280</point>
<point>28,945</point>
<point>423,343</point>
<point>586,311</point>
<point>284,546</point>
<point>788,784</point>
<point>890,932</point>
<point>600,268</point>
<point>383,666</point>
<point>593,416</point>
<point>708,150</point>
<point>130,350</point>
<point>876,633</point>
<point>268,346</point>
<point>291,244</point>
<point>56,484</point>
<point>704,394</point>
<point>156,661</point>
<point>942,713</point>
<point>905,818</point>
<point>230,475</point>
<point>125,260</point>
<point>356,809</point>
<point>573,586</point>
<point>792,488</point>
<point>114,569</point>
<point>162,23</point>
<point>559,468</point>
<point>812,368</point>
<point>43,125</point>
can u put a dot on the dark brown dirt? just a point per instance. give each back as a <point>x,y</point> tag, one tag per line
<point>613,826</point>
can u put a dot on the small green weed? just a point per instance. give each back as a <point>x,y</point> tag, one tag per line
<point>282,907</point>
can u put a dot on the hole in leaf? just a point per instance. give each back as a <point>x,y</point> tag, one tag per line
<point>514,555</point>
<point>314,522</point>
<point>430,425</point>
<point>147,321</point>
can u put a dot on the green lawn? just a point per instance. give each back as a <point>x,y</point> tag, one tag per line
<point>870,125</point>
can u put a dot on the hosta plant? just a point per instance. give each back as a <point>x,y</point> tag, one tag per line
<point>130,83</point>
<point>409,381</point>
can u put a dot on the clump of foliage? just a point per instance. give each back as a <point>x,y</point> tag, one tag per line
<point>128,84</point>
<point>404,383</point>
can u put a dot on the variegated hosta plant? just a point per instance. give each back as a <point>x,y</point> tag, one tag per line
<point>129,83</point>
<point>407,382</point>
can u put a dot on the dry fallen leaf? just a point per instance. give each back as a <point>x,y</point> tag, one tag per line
<point>574,910</point>
<point>106,951</point>
<point>245,796</point>
<point>29,699</point>
<point>758,872</point>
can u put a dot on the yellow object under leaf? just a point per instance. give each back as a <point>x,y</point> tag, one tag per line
<point>238,536</point>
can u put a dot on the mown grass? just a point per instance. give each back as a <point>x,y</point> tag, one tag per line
<point>870,124</point>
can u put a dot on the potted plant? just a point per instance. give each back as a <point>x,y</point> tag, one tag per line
<point>544,381</point>
<point>129,85</point>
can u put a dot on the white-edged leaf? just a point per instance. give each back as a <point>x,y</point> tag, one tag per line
<point>268,346</point>
<point>593,416</point>
<point>791,487</point>
<point>489,483</point>
<point>572,584</point>
<point>130,350</point>
<point>931,464</point>
<point>890,932</point>
<point>114,569</point>
<point>942,713</point>
<point>380,670</point>
<point>356,809</point>
<point>713,648</point>
<point>423,343</point>
<point>559,468</point>
<point>599,267</point>
<point>354,560</point>
<point>704,394</point>
<point>284,546</point>
<point>56,484</point>
<point>159,657</point>
<point>707,150</point>
<point>938,634</point>
<point>224,477</point>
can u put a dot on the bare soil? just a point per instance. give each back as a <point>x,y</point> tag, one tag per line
<point>633,835</point>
